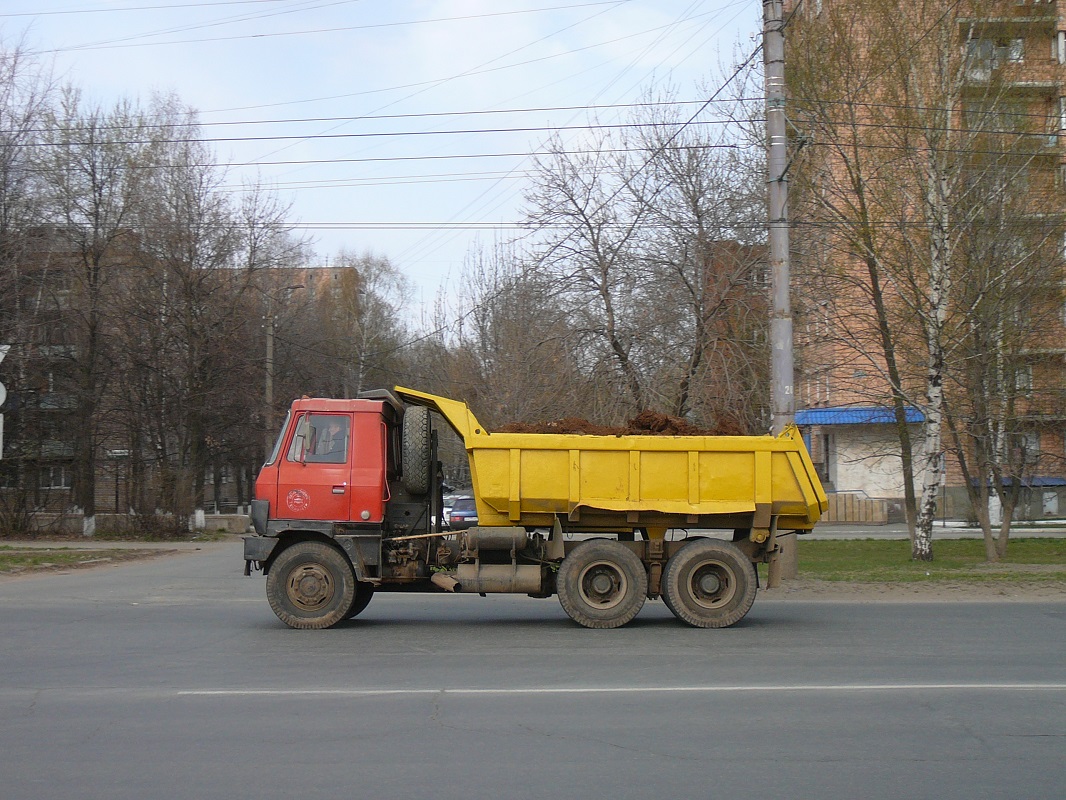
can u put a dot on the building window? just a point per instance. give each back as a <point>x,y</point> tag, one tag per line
<point>1027,448</point>
<point>55,478</point>
<point>9,475</point>
<point>1023,379</point>
<point>985,55</point>
<point>1060,176</point>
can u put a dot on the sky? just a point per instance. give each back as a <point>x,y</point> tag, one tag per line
<point>403,128</point>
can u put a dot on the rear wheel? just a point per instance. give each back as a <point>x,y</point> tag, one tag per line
<point>311,585</point>
<point>601,584</point>
<point>709,583</point>
<point>415,449</point>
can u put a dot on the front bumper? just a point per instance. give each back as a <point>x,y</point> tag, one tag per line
<point>257,549</point>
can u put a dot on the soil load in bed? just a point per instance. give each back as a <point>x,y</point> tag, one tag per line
<point>646,423</point>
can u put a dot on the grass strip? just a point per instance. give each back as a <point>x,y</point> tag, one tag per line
<point>881,561</point>
<point>15,560</point>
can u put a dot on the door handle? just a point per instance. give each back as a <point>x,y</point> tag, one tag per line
<point>340,489</point>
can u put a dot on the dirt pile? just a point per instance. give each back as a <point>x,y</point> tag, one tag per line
<point>646,423</point>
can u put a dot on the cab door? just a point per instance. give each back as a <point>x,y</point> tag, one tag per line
<point>314,476</point>
<point>369,489</point>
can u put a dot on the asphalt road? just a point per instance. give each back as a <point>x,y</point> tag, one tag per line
<point>171,678</point>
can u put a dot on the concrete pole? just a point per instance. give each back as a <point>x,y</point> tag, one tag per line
<point>783,398</point>
<point>268,393</point>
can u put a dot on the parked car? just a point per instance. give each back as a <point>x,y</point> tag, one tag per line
<point>463,514</point>
<point>446,509</point>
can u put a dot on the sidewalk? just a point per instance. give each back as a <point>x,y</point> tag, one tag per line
<point>824,530</point>
<point>950,530</point>
<point>91,543</point>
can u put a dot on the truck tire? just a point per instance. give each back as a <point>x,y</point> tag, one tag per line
<point>709,583</point>
<point>601,584</point>
<point>311,585</point>
<point>364,593</point>
<point>415,450</point>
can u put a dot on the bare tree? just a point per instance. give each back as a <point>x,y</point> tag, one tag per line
<point>1005,330</point>
<point>590,230</point>
<point>651,239</point>
<point>706,272</point>
<point>96,168</point>
<point>25,96</point>
<point>512,352</point>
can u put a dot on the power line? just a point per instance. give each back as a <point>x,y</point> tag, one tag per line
<point>114,44</point>
<point>400,159</point>
<point>379,117</point>
<point>382,134</point>
<point>74,11</point>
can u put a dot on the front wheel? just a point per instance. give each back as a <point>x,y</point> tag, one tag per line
<point>601,584</point>
<point>311,585</point>
<point>364,593</point>
<point>709,583</point>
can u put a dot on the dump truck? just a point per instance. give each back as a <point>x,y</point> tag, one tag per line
<point>349,503</point>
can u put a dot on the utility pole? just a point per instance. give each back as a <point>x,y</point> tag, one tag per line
<point>272,298</point>
<point>783,398</point>
<point>4,348</point>
<point>268,390</point>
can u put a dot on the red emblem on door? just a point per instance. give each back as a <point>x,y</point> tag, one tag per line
<point>298,500</point>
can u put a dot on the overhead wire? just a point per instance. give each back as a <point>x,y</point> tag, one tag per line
<point>483,201</point>
<point>114,9</point>
<point>119,43</point>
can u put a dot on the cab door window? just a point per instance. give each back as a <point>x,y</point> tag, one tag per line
<point>321,439</point>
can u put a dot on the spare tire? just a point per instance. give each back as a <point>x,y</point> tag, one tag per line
<point>416,450</point>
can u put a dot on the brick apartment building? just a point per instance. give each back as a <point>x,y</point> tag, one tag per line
<point>1010,62</point>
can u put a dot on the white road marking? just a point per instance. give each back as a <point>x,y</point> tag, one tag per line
<point>144,692</point>
<point>591,690</point>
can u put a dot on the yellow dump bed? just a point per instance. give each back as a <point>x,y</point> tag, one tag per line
<point>614,483</point>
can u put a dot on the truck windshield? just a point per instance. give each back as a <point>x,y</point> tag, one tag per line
<point>277,445</point>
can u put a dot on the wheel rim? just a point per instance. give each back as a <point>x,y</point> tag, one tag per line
<point>711,584</point>
<point>310,587</point>
<point>603,585</point>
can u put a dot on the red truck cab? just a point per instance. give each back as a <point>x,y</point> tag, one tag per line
<point>330,463</point>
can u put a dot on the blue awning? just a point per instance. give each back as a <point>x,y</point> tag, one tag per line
<point>855,415</point>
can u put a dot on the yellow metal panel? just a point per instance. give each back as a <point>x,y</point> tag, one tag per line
<point>574,497</point>
<point>514,497</point>
<point>763,477</point>
<point>664,477</point>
